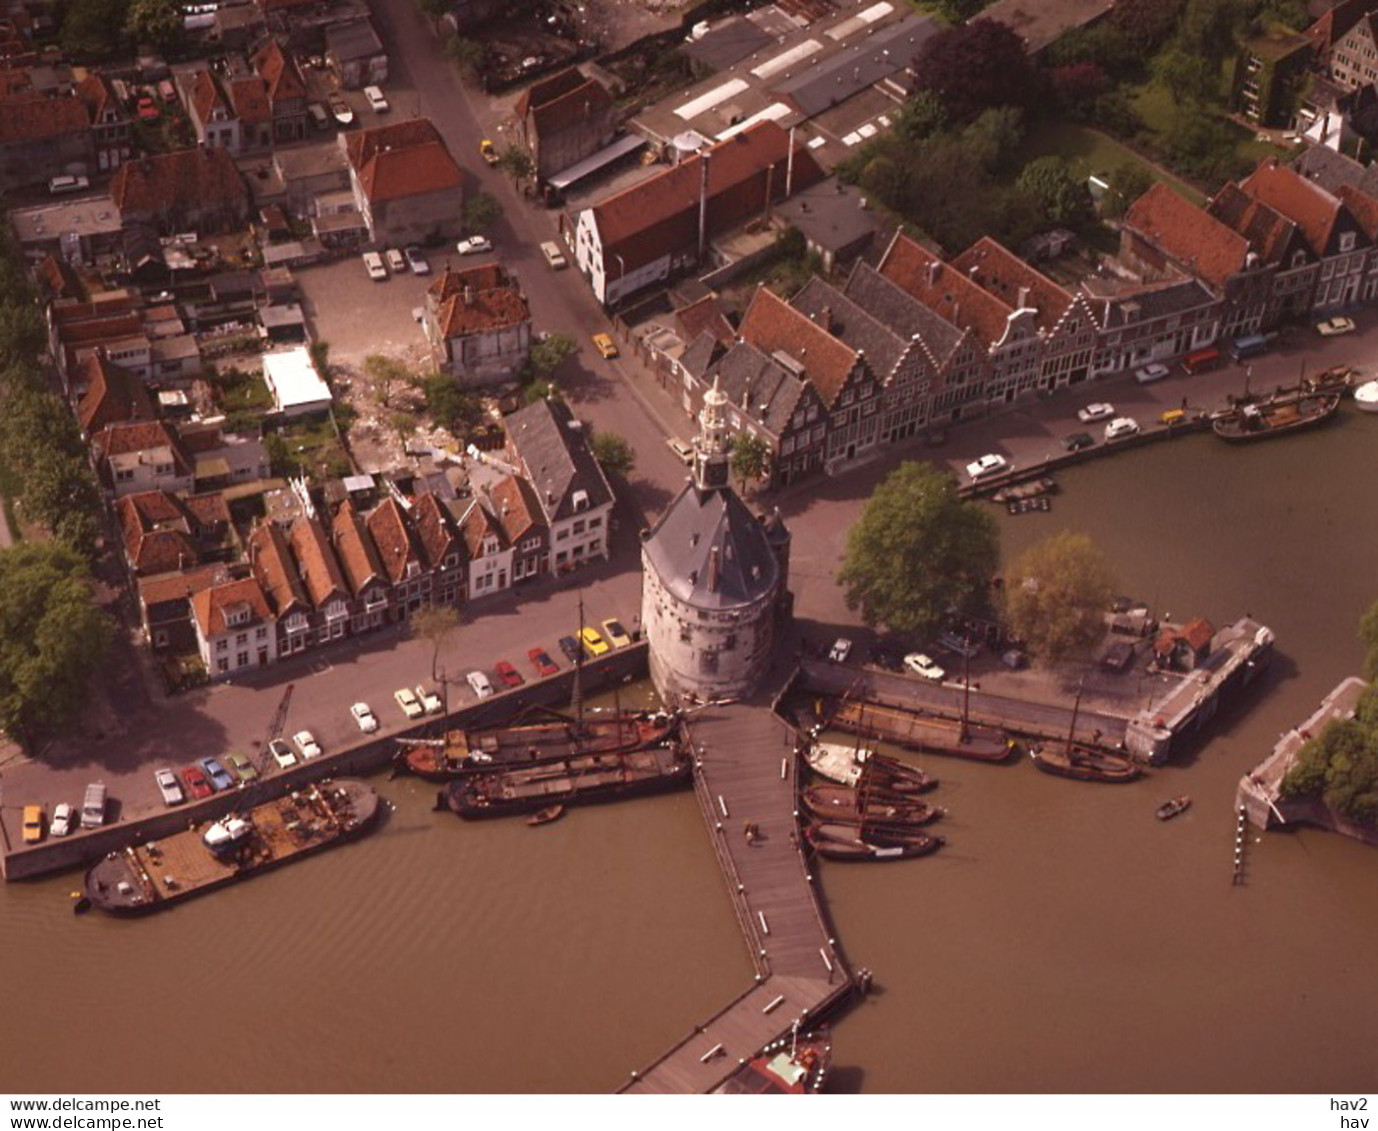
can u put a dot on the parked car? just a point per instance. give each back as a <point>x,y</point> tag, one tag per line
<point>541,661</point>
<point>553,255</point>
<point>841,649</point>
<point>59,185</point>
<point>617,635</point>
<point>373,264</point>
<point>593,643</point>
<point>242,768</point>
<point>416,260</point>
<point>340,110</point>
<point>376,101</point>
<point>320,116</point>
<point>570,647</point>
<point>198,785</point>
<point>64,819</point>
<point>147,109</point>
<point>396,261</point>
<point>1147,374</point>
<point>1333,326</point>
<point>306,744</point>
<point>282,754</point>
<point>474,245</point>
<point>921,664</point>
<point>681,448</point>
<point>508,675</point>
<point>220,777</point>
<point>605,345</point>
<point>488,151</point>
<point>410,704</point>
<point>1078,441</point>
<point>1094,412</point>
<point>169,787</point>
<point>987,465</point>
<point>963,646</point>
<point>480,684</point>
<point>1121,426</point>
<point>430,701</point>
<point>33,824</point>
<point>365,718</point>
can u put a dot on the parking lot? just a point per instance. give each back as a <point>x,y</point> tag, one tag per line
<point>358,316</point>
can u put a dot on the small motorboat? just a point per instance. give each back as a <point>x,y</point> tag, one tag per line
<point>1366,397</point>
<point>547,815</point>
<point>1169,809</point>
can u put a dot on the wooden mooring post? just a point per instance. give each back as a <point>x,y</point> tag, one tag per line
<point>1241,838</point>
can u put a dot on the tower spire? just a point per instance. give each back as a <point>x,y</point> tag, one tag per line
<point>712,443</point>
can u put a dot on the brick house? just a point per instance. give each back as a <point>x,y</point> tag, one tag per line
<point>286,91</point>
<point>325,583</point>
<point>235,627</point>
<point>1278,244</point>
<point>370,593</point>
<point>42,137</point>
<point>443,548</point>
<point>189,189</point>
<point>478,323</point>
<point>270,557</point>
<point>406,185</point>
<point>113,395</point>
<point>164,532</point>
<point>141,456</point>
<point>402,557</point>
<point>112,130</point>
<point>488,552</point>
<point>517,512</point>
<point>564,119</point>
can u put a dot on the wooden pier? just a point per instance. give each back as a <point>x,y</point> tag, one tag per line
<point>745,780</point>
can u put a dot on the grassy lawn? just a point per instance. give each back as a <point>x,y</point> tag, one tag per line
<point>1091,151</point>
<point>238,391</point>
<point>315,448</point>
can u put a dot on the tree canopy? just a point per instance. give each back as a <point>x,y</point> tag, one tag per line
<point>919,555</point>
<point>481,212</point>
<point>52,637</point>
<point>549,351</point>
<point>451,407</point>
<point>750,457</point>
<point>1064,199</point>
<point>974,67</point>
<point>614,455</point>
<point>1056,594</point>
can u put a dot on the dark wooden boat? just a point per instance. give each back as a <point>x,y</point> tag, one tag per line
<point>1083,762</point>
<point>1029,489</point>
<point>1169,809</point>
<point>547,815</point>
<point>852,806</point>
<point>794,1065</point>
<point>843,842</point>
<point>580,780</point>
<point>930,734</point>
<point>883,772</point>
<point>150,876</point>
<point>552,738</point>
<point>1259,420</point>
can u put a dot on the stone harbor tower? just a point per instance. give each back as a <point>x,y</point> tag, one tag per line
<point>714,579</point>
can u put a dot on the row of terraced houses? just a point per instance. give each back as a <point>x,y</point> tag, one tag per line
<point>919,341</point>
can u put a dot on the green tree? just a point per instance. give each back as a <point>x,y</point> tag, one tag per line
<point>320,358</point>
<point>549,351</point>
<point>434,623</point>
<point>994,137</point>
<point>468,55</point>
<point>750,457</point>
<point>433,10</point>
<point>516,163</point>
<point>52,638</point>
<point>93,29</point>
<point>1127,183</point>
<point>154,22</point>
<point>918,554</point>
<point>1188,77</point>
<point>1056,594</point>
<point>481,212</point>
<point>974,67</point>
<point>1368,634</point>
<point>385,374</point>
<point>1064,199</point>
<point>454,409</point>
<point>614,455</point>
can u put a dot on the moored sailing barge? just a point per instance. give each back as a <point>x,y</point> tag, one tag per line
<point>929,734</point>
<point>148,877</point>
<point>1082,762</point>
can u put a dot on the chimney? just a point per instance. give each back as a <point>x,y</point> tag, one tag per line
<point>713,570</point>
<point>468,295</point>
<point>934,267</point>
<point>703,201</point>
<point>789,166</point>
<point>1023,298</point>
<point>825,318</point>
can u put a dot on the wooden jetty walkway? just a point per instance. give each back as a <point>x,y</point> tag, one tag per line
<point>745,768</point>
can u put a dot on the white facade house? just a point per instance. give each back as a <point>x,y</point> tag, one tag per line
<point>297,388</point>
<point>235,628</point>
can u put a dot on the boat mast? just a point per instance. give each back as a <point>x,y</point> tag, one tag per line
<point>577,695</point>
<point>1076,706</point>
<point>966,688</point>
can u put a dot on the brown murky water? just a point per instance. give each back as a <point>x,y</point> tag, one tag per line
<point>1063,941</point>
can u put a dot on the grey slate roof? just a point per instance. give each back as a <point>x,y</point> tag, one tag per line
<point>830,214</point>
<point>899,310</point>
<point>699,355</point>
<point>1331,170</point>
<point>1124,305</point>
<point>680,550</point>
<point>730,42</point>
<point>759,386</point>
<point>880,56</point>
<point>556,454</point>
<point>878,343</point>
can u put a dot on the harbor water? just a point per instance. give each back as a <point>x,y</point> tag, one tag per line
<point>1063,941</point>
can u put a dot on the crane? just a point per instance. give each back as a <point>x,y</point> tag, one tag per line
<point>275,729</point>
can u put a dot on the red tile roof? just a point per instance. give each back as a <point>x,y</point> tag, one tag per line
<point>249,98</point>
<point>143,436</point>
<point>435,530</point>
<point>705,315</point>
<point>180,586</point>
<point>515,508</point>
<point>548,89</point>
<point>95,92</point>
<point>398,547</point>
<point>276,571</point>
<point>154,184</point>
<point>401,160</point>
<point>211,606</point>
<point>572,108</point>
<point>1270,234</point>
<point>1190,235</point>
<point>1314,210</point>
<point>771,324</point>
<point>25,118</point>
<point>356,550</point>
<point>279,72</point>
<point>474,526</point>
<point>157,534</point>
<point>113,395</point>
<point>320,569</point>
<point>475,299</point>
<point>673,195</point>
<point>995,268</point>
<point>1363,207</point>
<point>944,290</point>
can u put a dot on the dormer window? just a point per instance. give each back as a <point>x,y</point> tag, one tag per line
<point>580,500</point>
<point>1347,241</point>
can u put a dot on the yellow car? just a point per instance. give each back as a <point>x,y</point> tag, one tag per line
<point>33,824</point>
<point>605,345</point>
<point>594,644</point>
<point>488,152</point>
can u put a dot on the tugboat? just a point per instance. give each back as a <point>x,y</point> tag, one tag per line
<point>793,1065</point>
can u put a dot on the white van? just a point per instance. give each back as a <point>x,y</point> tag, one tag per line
<point>553,255</point>
<point>93,806</point>
<point>59,185</point>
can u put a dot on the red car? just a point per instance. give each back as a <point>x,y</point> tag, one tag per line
<point>147,109</point>
<point>541,661</point>
<point>508,674</point>
<point>198,785</point>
